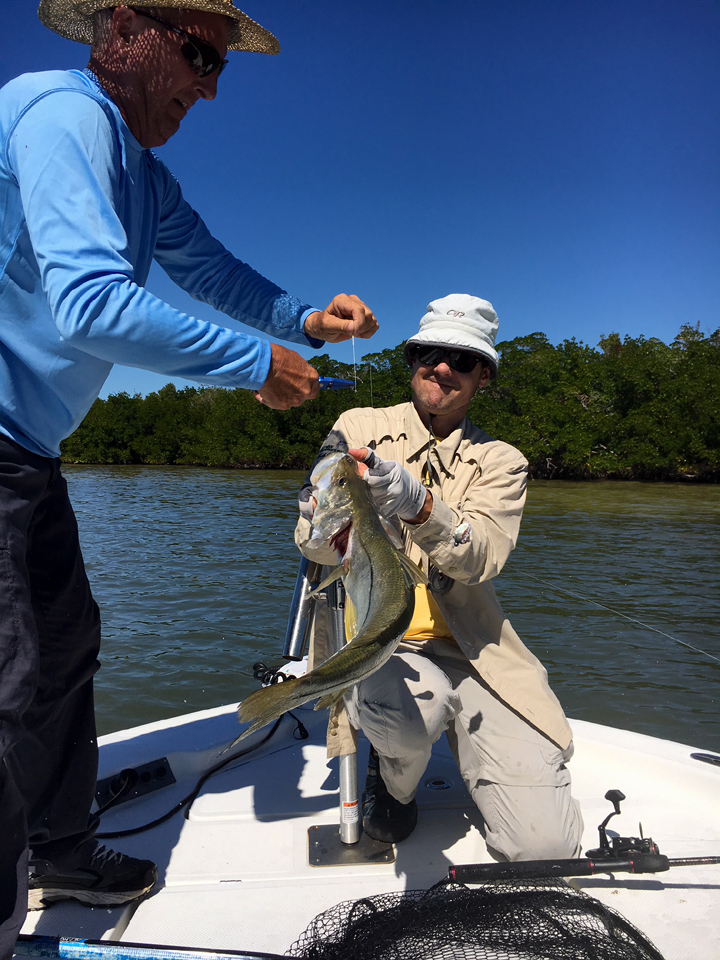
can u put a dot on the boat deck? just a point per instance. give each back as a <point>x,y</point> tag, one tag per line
<point>235,872</point>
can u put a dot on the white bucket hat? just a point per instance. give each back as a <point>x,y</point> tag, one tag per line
<point>72,19</point>
<point>461,321</point>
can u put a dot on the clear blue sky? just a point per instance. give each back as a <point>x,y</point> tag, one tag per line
<point>560,158</point>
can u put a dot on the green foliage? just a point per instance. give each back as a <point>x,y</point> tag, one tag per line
<point>632,409</point>
<point>629,409</point>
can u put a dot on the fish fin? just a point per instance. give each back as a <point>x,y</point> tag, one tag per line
<point>267,704</point>
<point>330,699</point>
<point>391,533</point>
<point>331,578</point>
<point>412,572</point>
<point>351,627</point>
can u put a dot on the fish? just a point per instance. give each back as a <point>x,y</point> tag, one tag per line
<point>379,581</point>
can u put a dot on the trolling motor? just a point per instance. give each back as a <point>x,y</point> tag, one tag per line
<point>619,855</point>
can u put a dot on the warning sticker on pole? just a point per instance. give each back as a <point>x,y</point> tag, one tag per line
<point>350,812</point>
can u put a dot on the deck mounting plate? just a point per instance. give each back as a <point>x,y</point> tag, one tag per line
<point>326,849</point>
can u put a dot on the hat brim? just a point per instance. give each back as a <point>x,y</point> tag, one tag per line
<point>72,19</point>
<point>454,340</point>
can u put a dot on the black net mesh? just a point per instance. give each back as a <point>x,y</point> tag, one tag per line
<point>526,920</point>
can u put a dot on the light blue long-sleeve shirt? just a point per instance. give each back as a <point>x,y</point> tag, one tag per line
<point>84,209</point>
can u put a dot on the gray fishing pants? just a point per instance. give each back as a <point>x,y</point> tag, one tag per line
<point>516,776</point>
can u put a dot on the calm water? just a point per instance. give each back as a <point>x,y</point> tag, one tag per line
<point>194,570</point>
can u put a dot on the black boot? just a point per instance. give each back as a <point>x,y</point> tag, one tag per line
<point>385,818</point>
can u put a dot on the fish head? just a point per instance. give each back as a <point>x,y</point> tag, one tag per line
<point>321,475</point>
<point>337,487</point>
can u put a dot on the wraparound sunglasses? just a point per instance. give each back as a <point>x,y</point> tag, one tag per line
<point>202,56</point>
<point>459,360</point>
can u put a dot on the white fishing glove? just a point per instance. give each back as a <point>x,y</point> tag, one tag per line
<point>396,493</point>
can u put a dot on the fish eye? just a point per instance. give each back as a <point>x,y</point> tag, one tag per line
<point>342,481</point>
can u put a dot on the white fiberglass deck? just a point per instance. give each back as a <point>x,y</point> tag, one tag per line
<point>235,873</point>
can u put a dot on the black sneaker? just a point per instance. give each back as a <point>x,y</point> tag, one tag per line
<point>385,818</point>
<point>105,879</point>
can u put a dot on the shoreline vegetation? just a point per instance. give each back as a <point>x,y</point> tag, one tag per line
<point>629,409</point>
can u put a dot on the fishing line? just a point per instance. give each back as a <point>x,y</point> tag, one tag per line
<point>623,615</point>
<point>354,364</point>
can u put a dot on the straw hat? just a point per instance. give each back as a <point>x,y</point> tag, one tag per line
<point>72,19</point>
<point>460,321</point>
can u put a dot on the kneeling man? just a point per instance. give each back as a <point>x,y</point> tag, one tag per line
<point>455,496</point>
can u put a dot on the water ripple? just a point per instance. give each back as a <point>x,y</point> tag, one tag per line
<point>194,569</point>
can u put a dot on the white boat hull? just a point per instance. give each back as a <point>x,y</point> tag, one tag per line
<point>235,874</point>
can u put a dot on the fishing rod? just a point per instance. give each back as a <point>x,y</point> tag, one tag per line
<point>69,948</point>
<point>621,855</point>
<point>581,867</point>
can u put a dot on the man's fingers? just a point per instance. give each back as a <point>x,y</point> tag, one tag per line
<point>362,323</point>
<point>359,453</point>
<point>290,382</point>
<point>363,320</point>
<point>343,318</point>
<point>362,328</point>
<point>314,385</point>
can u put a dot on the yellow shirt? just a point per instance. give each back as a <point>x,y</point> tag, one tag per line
<point>427,622</point>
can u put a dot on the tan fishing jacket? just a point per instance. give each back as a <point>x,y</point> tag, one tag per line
<point>478,486</point>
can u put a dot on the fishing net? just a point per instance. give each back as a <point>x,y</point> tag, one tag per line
<point>508,920</point>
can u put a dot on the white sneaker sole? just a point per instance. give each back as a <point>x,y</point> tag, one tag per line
<point>39,898</point>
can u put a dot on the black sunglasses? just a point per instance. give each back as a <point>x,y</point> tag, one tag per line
<point>459,360</point>
<point>202,56</point>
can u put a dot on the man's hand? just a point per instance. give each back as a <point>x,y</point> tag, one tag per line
<point>395,491</point>
<point>345,317</point>
<point>307,502</point>
<point>290,382</point>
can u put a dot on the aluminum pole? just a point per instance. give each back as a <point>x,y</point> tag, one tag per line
<point>349,806</point>
<point>302,610</point>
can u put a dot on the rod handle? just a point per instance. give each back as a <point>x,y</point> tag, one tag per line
<point>534,869</point>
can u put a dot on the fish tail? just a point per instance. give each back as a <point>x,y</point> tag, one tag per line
<point>267,704</point>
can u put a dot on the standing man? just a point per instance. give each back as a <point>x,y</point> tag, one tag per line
<point>455,496</point>
<point>85,208</point>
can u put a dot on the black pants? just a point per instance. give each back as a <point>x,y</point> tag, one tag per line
<point>49,642</point>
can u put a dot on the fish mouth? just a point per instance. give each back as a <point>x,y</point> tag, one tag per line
<point>340,540</point>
